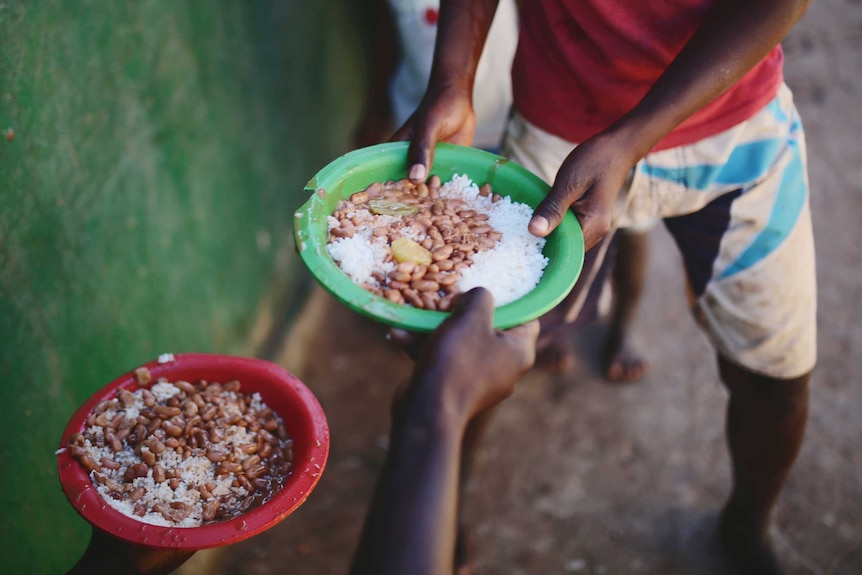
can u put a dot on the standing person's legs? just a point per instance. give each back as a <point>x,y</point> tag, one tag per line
<point>762,322</point>
<point>749,260</point>
<point>765,424</point>
<point>621,361</point>
<point>761,319</point>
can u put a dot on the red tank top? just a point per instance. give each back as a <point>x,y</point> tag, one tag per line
<point>582,64</point>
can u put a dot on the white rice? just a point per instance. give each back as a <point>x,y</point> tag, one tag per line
<point>509,270</point>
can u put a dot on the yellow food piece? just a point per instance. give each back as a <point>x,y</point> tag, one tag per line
<point>391,208</point>
<point>406,250</point>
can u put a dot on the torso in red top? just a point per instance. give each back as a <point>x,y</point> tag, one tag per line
<point>581,64</point>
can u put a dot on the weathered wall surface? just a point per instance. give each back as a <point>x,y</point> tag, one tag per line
<point>145,203</point>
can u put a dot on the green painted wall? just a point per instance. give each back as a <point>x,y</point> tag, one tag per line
<point>159,151</point>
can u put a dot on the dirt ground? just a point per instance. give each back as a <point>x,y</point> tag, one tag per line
<point>582,476</point>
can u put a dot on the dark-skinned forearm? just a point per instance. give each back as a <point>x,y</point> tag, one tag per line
<point>411,524</point>
<point>383,46</point>
<point>461,33</point>
<point>735,36</point>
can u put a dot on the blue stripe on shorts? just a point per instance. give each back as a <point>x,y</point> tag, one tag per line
<point>789,202</point>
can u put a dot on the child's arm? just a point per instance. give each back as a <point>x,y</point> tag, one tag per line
<point>446,112</point>
<point>383,47</point>
<point>735,36</point>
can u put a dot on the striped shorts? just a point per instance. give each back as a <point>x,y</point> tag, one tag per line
<point>737,207</point>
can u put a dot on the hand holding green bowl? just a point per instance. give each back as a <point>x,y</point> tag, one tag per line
<point>358,169</point>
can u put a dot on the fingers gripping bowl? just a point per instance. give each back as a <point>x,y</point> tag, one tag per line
<point>286,396</point>
<point>356,170</point>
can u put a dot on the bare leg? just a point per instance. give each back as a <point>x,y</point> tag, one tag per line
<point>554,350</point>
<point>621,361</point>
<point>765,424</point>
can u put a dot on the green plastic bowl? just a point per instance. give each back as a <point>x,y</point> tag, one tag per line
<point>356,170</point>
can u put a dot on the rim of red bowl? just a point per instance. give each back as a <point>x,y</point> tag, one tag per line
<point>279,389</point>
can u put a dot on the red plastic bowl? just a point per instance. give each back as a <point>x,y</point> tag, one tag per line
<point>281,391</point>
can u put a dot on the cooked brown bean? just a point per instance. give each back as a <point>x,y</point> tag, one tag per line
<point>216,456</point>
<point>166,412</point>
<point>208,412</point>
<point>429,300</point>
<point>442,253</point>
<point>359,197</point>
<point>447,279</point>
<point>192,424</point>
<point>148,456</point>
<point>153,444</point>
<point>393,295</point>
<point>137,493</point>
<point>165,510</point>
<point>445,265</point>
<point>256,470</point>
<point>114,443</point>
<point>190,408</point>
<point>149,398</point>
<point>209,510</point>
<point>216,435</point>
<point>425,286</point>
<point>418,273</point>
<point>412,297</point>
<point>205,492</point>
<point>343,232</point>
<point>109,463</point>
<point>171,429</point>
<point>126,398</point>
<point>88,463</point>
<point>250,461</point>
<point>265,449</point>
<point>136,470</point>
<point>245,483</point>
<point>226,467</point>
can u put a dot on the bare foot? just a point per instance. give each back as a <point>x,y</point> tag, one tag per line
<point>556,357</point>
<point>747,547</point>
<point>623,363</point>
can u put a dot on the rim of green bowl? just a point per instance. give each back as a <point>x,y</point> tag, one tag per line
<point>355,170</point>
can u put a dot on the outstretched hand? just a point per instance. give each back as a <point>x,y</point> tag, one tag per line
<point>468,366</point>
<point>588,183</point>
